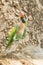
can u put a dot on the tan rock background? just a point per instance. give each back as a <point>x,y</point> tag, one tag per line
<point>29,48</point>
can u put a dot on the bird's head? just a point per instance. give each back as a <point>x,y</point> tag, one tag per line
<point>22,17</point>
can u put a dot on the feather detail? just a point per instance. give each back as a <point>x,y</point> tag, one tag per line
<point>16,33</point>
<point>11,36</point>
<point>21,28</point>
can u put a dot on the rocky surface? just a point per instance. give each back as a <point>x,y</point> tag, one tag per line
<point>15,62</point>
<point>32,45</point>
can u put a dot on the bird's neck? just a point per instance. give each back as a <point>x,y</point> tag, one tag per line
<point>22,24</point>
<point>22,19</point>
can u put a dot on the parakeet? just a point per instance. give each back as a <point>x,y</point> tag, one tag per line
<point>18,31</point>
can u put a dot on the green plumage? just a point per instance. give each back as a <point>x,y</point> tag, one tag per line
<point>14,35</point>
<point>11,36</point>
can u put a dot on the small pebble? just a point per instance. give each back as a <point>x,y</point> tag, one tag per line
<point>30,17</point>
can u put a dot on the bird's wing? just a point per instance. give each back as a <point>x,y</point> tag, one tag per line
<point>12,34</point>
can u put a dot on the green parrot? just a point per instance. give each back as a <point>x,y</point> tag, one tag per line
<point>18,31</point>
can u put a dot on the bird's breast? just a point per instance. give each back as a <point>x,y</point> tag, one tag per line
<point>21,28</point>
